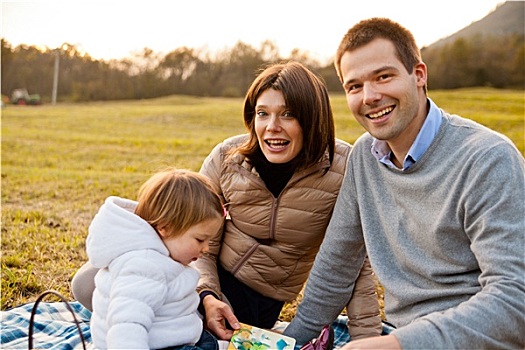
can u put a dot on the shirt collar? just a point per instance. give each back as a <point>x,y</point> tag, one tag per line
<point>382,151</point>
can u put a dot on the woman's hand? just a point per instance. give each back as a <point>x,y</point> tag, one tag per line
<point>381,342</point>
<point>217,314</point>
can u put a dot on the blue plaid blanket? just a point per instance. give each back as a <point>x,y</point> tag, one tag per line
<point>54,327</point>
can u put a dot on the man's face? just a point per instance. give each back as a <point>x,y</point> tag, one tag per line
<point>386,100</point>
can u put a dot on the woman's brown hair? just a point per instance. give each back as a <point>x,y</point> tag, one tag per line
<point>176,199</point>
<point>307,98</point>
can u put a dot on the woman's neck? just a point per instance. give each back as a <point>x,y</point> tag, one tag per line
<point>274,175</point>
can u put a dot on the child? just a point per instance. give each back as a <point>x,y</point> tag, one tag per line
<point>145,294</point>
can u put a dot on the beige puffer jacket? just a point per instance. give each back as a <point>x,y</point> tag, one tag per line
<point>270,243</point>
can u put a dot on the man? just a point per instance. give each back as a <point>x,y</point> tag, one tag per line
<point>437,202</point>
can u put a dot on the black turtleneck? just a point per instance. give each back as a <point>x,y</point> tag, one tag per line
<point>274,175</point>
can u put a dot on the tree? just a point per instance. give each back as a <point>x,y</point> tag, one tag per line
<point>177,67</point>
<point>241,66</point>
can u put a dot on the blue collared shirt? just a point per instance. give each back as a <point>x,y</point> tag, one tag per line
<point>382,151</point>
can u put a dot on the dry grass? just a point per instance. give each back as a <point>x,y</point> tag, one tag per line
<point>60,162</point>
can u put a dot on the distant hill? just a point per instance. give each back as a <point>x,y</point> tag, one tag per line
<point>508,18</point>
<point>488,52</point>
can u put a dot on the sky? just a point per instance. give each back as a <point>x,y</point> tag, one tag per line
<point>115,29</point>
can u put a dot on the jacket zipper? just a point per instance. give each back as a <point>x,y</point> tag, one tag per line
<point>275,207</point>
<point>244,258</point>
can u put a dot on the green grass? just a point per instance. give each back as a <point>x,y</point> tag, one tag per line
<point>60,162</point>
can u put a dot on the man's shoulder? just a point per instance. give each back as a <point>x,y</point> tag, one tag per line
<point>363,143</point>
<point>465,125</point>
<point>361,157</point>
<point>473,134</point>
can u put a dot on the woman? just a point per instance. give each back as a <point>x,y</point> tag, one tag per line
<point>279,184</point>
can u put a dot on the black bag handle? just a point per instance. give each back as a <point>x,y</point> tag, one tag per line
<point>33,312</point>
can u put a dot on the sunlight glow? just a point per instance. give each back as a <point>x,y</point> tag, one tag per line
<point>116,29</point>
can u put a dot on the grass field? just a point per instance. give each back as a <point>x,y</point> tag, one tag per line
<point>60,162</point>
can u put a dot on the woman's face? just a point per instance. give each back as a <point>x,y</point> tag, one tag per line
<point>278,131</point>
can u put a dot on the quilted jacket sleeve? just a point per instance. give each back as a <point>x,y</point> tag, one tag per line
<point>137,292</point>
<point>207,265</point>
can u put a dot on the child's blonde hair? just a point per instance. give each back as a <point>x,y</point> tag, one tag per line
<point>176,199</point>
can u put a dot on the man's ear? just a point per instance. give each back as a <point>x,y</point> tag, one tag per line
<point>420,70</point>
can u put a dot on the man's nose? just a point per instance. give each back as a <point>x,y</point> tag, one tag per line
<point>370,94</point>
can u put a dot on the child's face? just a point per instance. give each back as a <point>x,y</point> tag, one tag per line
<point>190,245</point>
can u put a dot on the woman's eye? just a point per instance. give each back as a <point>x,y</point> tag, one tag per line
<point>261,114</point>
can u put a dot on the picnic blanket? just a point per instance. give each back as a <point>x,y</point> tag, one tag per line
<point>54,327</point>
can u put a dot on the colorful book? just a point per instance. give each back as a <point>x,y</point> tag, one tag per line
<point>253,338</point>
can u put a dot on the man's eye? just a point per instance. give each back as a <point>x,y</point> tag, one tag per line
<point>352,88</point>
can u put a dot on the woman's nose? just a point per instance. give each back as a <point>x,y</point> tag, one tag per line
<point>273,124</point>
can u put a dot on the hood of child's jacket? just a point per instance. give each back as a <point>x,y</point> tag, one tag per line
<point>116,230</point>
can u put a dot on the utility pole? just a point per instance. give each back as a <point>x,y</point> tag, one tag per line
<point>55,78</point>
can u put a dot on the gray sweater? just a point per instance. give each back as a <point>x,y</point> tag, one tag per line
<point>445,239</point>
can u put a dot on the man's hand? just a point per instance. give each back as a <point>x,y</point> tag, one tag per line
<point>382,342</point>
<point>217,313</point>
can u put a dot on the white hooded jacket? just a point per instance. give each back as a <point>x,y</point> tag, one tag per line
<point>143,298</point>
